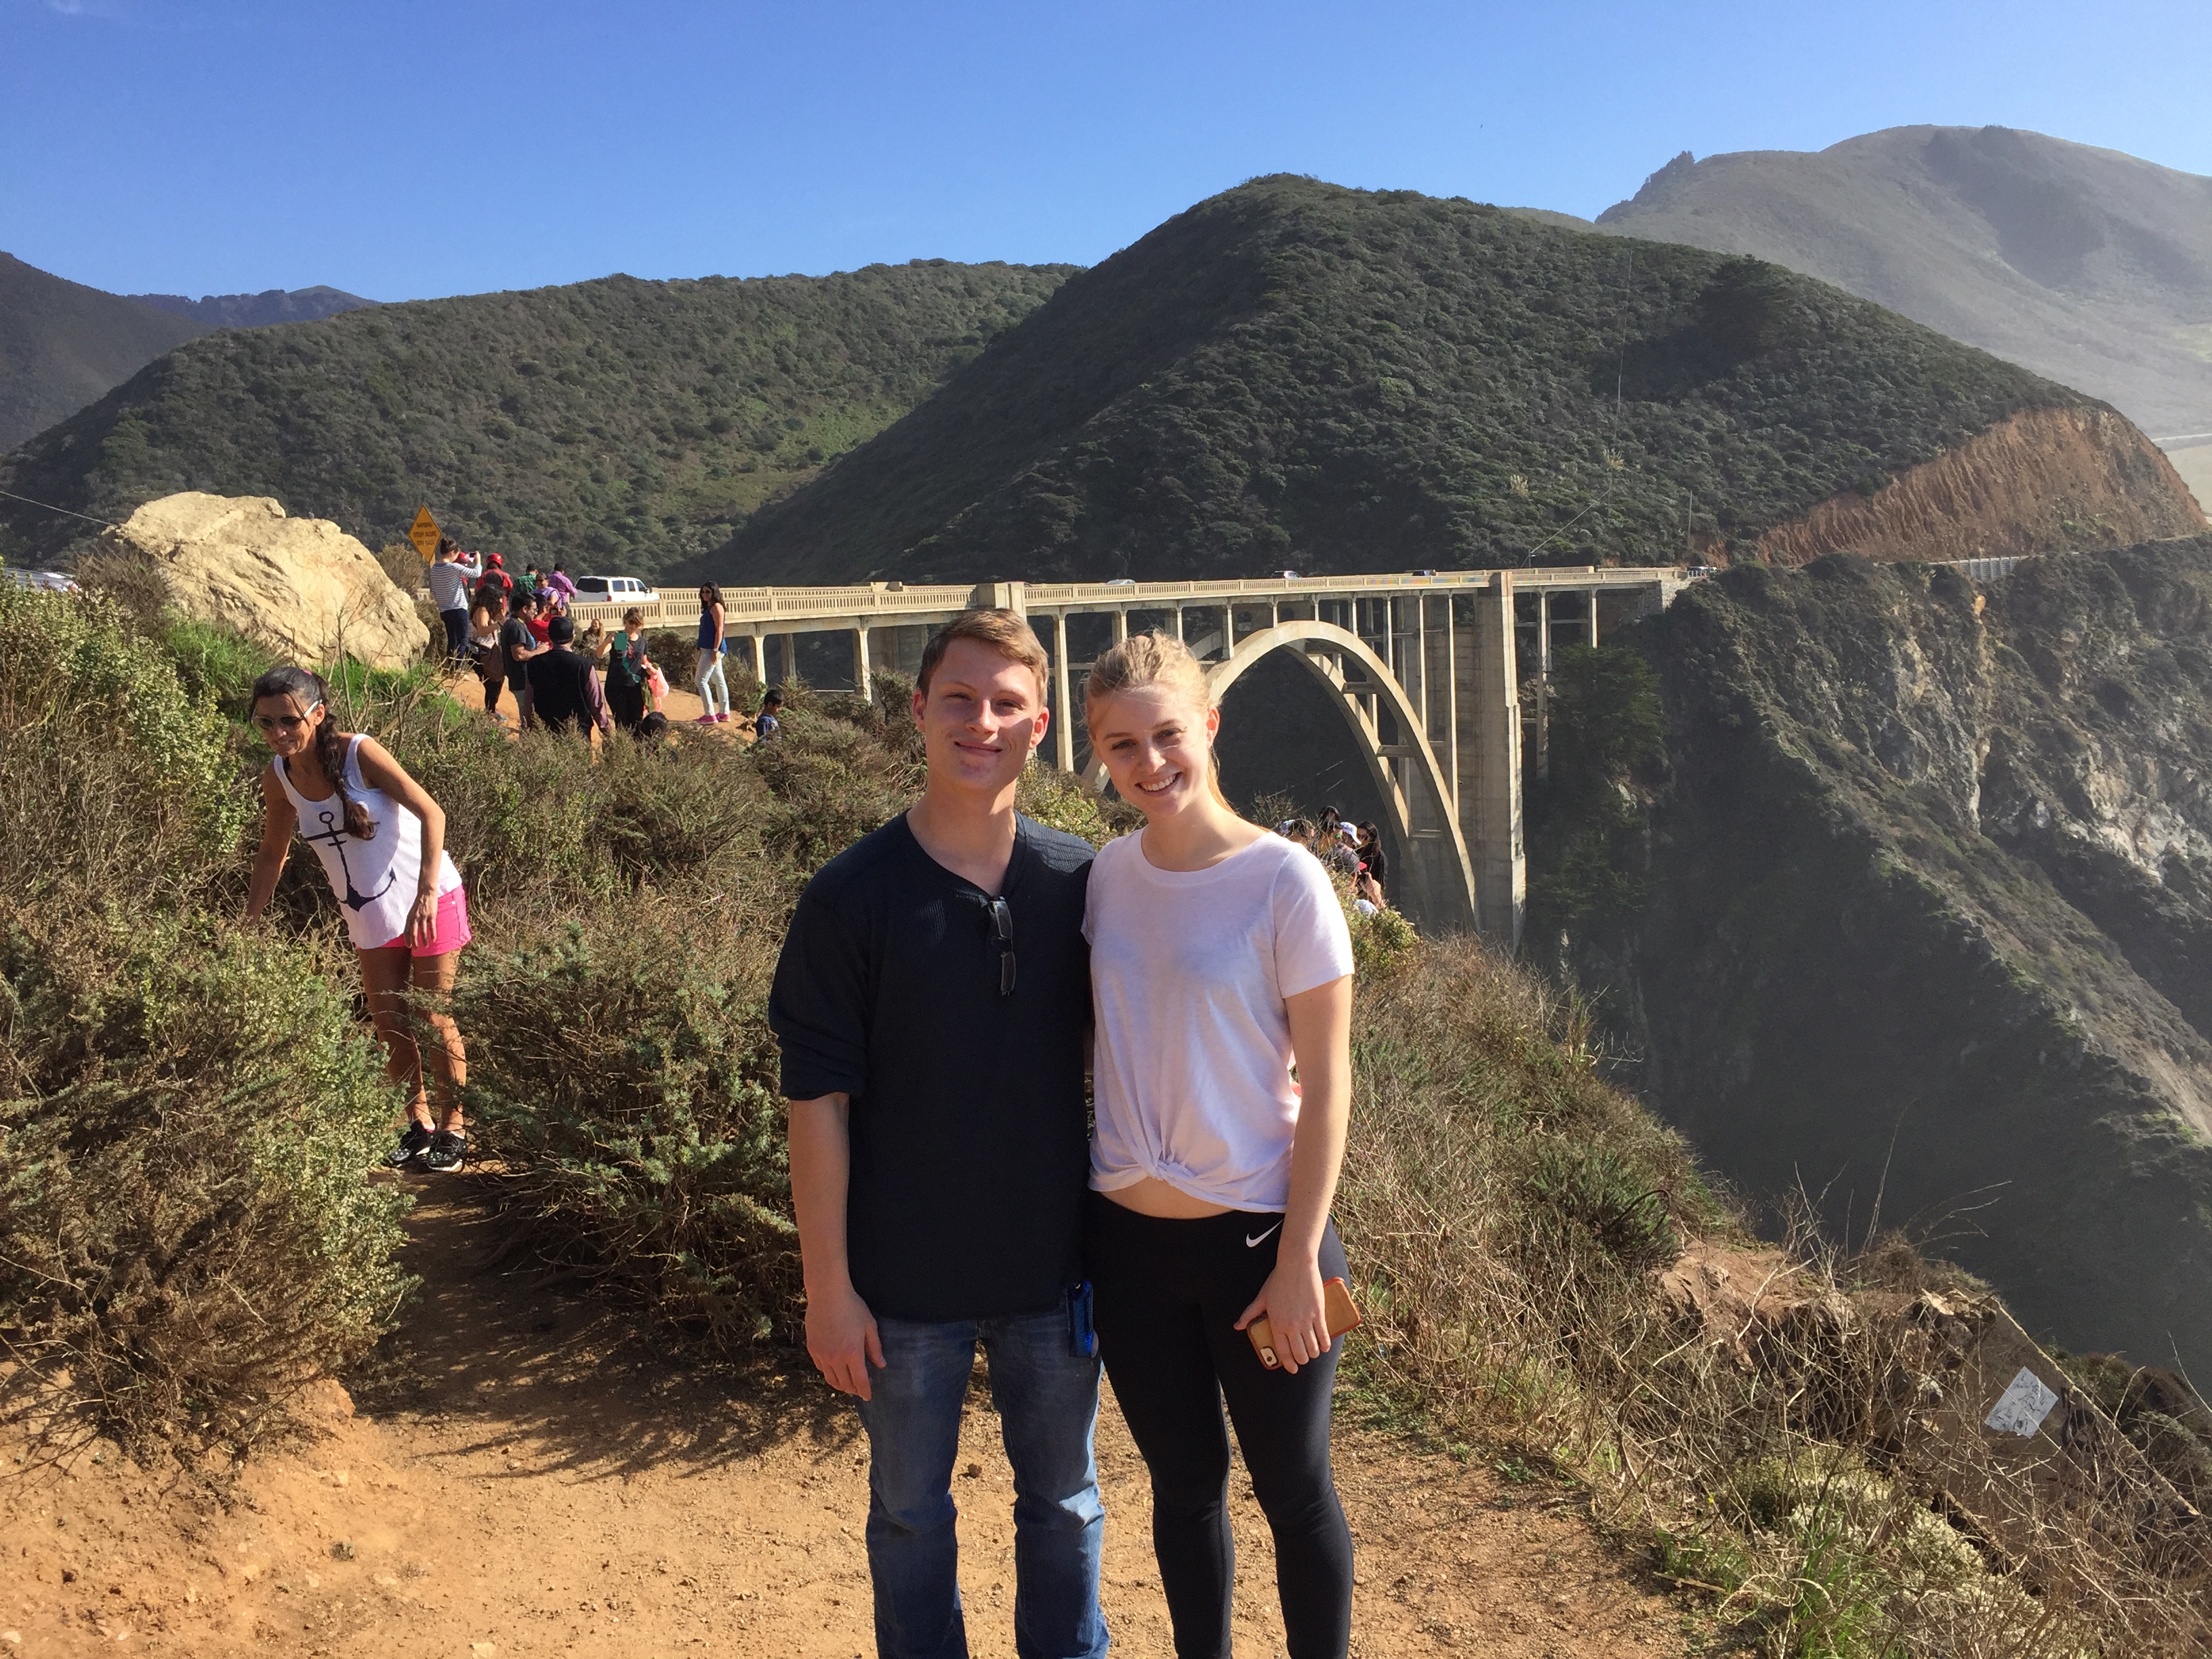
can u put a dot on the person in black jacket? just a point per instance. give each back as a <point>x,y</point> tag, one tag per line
<point>564,690</point>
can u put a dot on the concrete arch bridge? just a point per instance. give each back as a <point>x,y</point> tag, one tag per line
<point>1427,671</point>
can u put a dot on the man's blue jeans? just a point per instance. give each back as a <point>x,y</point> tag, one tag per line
<point>1047,1402</point>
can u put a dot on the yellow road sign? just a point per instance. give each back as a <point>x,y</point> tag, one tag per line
<point>424,535</point>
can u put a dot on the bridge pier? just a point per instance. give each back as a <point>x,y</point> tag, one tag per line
<point>1489,763</point>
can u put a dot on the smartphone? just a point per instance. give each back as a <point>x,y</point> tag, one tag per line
<point>1338,1314</point>
<point>1082,1334</point>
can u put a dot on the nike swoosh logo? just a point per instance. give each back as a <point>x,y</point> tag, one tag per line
<point>1252,1243</point>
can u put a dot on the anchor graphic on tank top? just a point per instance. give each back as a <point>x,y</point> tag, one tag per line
<point>333,834</point>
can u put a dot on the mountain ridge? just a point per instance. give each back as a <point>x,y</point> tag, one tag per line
<point>618,422</point>
<point>62,345</point>
<point>1293,373</point>
<point>2088,266</point>
<point>274,305</point>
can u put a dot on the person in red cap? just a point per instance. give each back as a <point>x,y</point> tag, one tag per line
<point>496,583</point>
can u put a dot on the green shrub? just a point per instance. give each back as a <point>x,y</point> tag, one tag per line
<point>115,778</point>
<point>631,1089</point>
<point>186,1115</point>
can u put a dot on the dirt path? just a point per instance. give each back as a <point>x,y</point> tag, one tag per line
<point>525,1475</point>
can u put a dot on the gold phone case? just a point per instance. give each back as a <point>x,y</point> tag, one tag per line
<point>1337,1311</point>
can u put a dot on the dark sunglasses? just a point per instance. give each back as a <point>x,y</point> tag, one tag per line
<point>1002,931</point>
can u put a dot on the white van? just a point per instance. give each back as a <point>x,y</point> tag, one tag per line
<point>613,589</point>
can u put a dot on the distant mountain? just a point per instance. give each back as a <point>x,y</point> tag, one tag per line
<point>1295,374</point>
<point>302,305</point>
<point>62,344</point>
<point>620,423</point>
<point>2085,265</point>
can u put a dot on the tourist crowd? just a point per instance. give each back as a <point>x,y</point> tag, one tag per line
<point>517,635</point>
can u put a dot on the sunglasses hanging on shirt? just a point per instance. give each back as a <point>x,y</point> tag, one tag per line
<point>1002,933</point>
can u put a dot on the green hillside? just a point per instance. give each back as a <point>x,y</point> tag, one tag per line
<point>1295,375</point>
<point>618,422</point>
<point>62,344</point>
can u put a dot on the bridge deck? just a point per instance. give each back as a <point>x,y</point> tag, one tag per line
<point>751,611</point>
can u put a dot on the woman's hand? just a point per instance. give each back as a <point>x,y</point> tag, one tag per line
<point>422,920</point>
<point>1293,1300</point>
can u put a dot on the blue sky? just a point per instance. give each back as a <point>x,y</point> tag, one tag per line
<point>402,150</point>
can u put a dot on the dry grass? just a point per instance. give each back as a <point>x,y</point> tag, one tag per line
<point>1506,1209</point>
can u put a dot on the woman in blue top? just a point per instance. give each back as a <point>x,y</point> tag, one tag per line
<point>713,642</point>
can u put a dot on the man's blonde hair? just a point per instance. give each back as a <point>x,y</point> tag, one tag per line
<point>1154,659</point>
<point>1004,632</point>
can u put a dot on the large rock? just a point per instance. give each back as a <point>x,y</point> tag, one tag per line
<point>303,585</point>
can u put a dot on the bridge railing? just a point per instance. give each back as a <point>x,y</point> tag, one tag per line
<point>891,605</point>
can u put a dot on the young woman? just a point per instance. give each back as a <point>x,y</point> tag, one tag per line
<point>1220,962</point>
<point>483,647</point>
<point>1375,862</point>
<point>713,642</point>
<point>628,666</point>
<point>381,839</point>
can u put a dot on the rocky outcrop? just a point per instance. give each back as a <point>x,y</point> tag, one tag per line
<point>1930,929</point>
<point>2044,481</point>
<point>303,585</point>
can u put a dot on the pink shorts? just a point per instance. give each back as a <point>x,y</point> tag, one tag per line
<point>450,933</point>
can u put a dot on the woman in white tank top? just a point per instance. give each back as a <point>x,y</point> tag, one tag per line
<point>381,840</point>
<point>1221,988</point>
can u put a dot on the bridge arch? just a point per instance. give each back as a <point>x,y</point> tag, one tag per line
<point>1435,881</point>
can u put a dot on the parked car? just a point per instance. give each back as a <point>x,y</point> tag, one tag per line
<point>613,589</point>
<point>48,581</point>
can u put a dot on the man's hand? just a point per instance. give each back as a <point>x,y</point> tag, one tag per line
<point>1294,1302</point>
<point>841,1339</point>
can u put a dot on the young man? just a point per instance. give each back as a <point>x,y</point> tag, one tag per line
<point>518,644</point>
<point>564,692</point>
<point>931,1002</point>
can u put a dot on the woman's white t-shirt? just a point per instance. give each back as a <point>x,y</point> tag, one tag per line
<point>1189,972</point>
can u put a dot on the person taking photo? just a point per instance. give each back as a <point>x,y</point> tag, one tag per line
<point>932,1002</point>
<point>382,843</point>
<point>1221,973</point>
<point>450,578</point>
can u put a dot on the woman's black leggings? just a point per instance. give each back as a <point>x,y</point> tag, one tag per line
<point>1168,1297</point>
